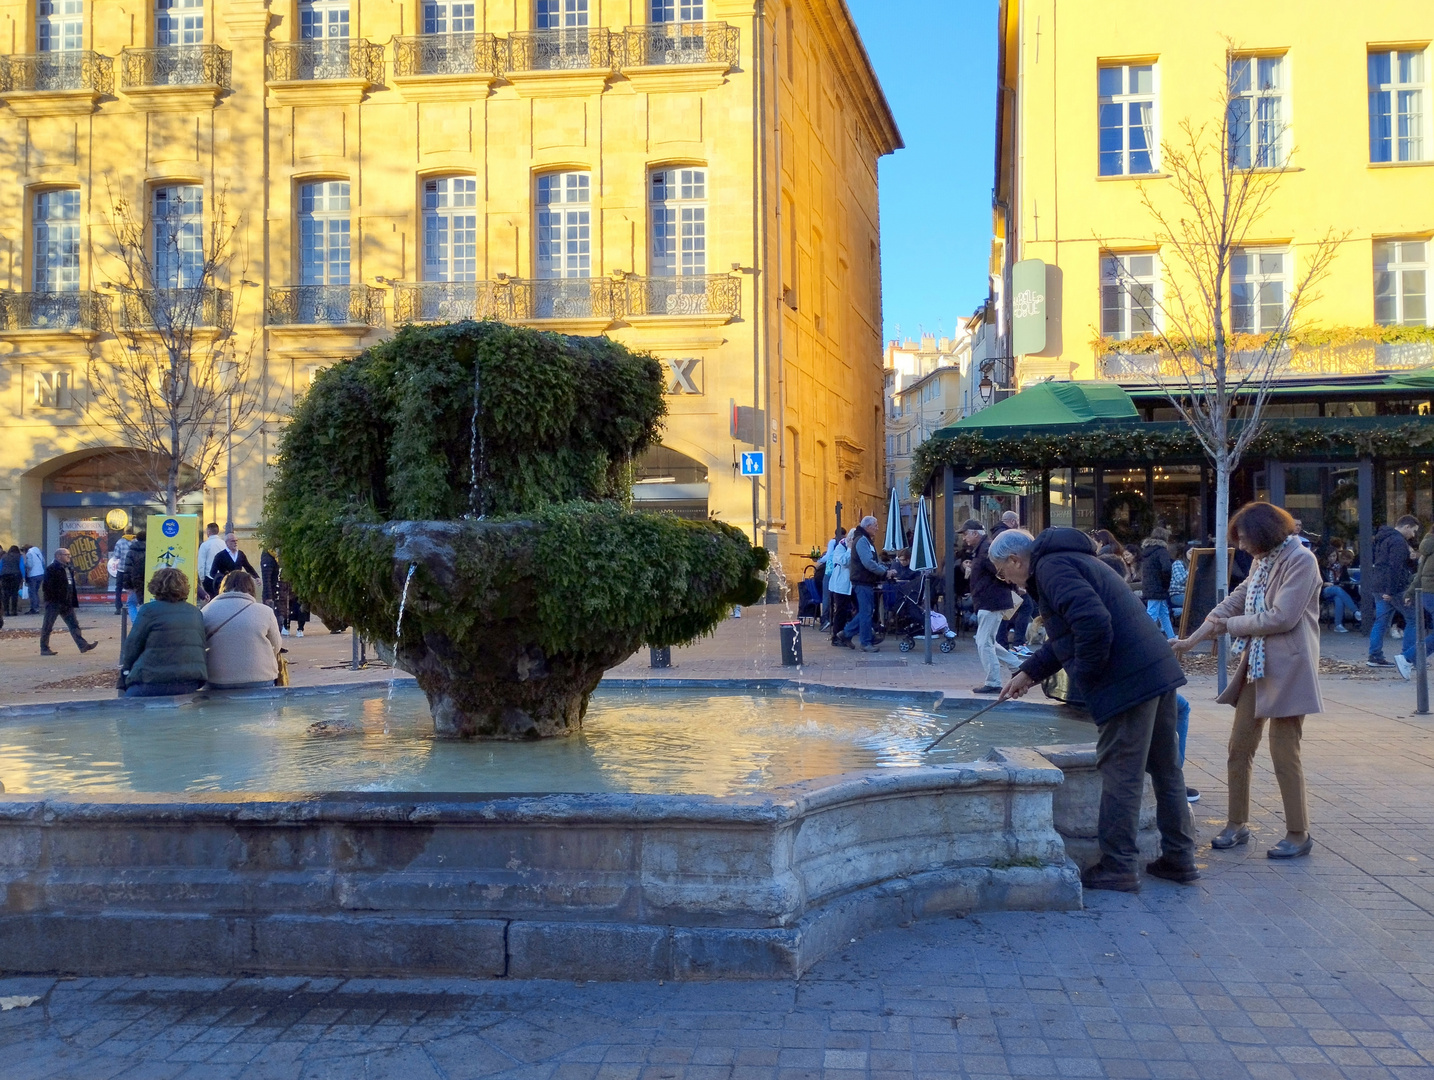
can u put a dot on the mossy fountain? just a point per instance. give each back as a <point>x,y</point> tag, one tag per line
<point>460,494</point>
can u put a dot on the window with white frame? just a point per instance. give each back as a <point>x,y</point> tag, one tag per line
<point>59,26</point>
<point>564,230</point>
<point>178,23</point>
<point>1257,118</point>
<point>1129,291</point>
<point>178,230</point>
<point>319,19</point>
<point>562,14</point>
<point>666,11</point>
<point>1259,289</point>
<point>679,222</point>
<point>324,233</point>
<point>1401,282</point>
<point>444,17</point>
<point>1128,139</point>
<point>450,229</point>
<point>56,231</point>
<point>1398,105</point>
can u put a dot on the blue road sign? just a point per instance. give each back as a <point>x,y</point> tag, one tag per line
<point>754,463</point>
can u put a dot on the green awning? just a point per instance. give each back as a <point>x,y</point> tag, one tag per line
<point>1418,379</point>
<point>1399,382</point>
<point>1054,403</point>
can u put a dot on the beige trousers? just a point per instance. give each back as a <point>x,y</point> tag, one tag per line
<point>1285,734</point>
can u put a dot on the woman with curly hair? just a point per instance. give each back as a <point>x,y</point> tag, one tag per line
<point>164,653</point>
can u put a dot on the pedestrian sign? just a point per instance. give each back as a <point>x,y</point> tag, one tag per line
<point>754,463</point>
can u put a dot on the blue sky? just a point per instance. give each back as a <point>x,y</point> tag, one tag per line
<point>935,194</point>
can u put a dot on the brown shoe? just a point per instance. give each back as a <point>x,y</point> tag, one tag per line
<point>1101,876</point>
<point>1167,868</point>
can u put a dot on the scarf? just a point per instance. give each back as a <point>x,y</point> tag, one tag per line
<point>1255,605</point>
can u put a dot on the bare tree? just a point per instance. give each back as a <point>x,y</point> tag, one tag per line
<point>1221,178</point>
<point>181,385</point>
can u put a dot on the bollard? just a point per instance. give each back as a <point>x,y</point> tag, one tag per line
<point>1421,657</point>
<point>661,658</point>
<point>354,662</point>
<point>124,624</point>
<point>791,644</point>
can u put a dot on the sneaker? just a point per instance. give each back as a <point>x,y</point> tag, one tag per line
<point>283,631</point>
<point>1191,795</point>
<point>871,648</point>
<point>1023,652</point>
<point>737,612</point>
<point>1340,628</point>
<point>985,689</point>
<point>1405,667</point>
<point>1377,661</point>
<point>89,646</point>
<point>48,652</point>
<point>299,632</point>
<point>1165,867</point>
<point>1100,876</point>
<point>1397,633</point>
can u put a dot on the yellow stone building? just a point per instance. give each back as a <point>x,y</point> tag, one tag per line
<point>697,178</point>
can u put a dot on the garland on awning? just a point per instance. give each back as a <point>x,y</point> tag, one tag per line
<point>1166,444</point>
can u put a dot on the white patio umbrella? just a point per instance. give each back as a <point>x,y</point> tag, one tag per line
<point>895,534</point>
<point>923,558</point>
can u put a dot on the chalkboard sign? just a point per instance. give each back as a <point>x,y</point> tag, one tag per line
<point>1199,589</point>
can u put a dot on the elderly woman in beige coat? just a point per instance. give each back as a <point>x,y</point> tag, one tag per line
<point>243,637</point>
<point>1273,619</point>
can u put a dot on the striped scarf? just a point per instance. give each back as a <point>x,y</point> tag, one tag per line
<point>1255,605</point>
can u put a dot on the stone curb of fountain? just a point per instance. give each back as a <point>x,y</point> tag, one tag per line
<point>45,708</point>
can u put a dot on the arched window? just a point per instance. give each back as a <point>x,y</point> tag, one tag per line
<point>450,229</point>
<point>324,233</point>
<point>57,241</point>
<point>564,230</point>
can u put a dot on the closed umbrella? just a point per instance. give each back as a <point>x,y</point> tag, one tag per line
<point>923,559</point>
<point>895,534</point>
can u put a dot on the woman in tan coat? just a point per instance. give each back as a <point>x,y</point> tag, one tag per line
<point>243,637</point>
<point>1273,619</point>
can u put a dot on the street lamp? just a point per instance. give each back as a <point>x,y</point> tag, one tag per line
<point>228,371</point>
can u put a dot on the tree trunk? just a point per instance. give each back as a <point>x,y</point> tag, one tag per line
<point>1222,554</point>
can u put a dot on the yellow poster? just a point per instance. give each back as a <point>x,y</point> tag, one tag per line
<point>172,540</point>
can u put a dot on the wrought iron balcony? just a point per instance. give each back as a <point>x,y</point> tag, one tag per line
<point>175,65</point>
<point>325,305</point>
<point>50,71</point>
<point>176,310</point>
<point>54,311</point>
<point>580,49</point>
<point>446,54</point>
<point>325,58</point>
<point>507,300</point>
<point>698,294</point>
<point>1361,357</point>
<point>680,43</point>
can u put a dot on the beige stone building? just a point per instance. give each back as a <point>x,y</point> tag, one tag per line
<point>697,178</point>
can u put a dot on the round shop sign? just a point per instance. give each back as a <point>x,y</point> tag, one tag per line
<point>117,520</point>
<point>170,528</point>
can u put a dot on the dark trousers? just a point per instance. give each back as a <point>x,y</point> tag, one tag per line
<point>119,592</point>
<point>67,614</point>
<point>10,594</point>
<point>1142,739</point>
<point>1013,631</point>
<point>841,612</point>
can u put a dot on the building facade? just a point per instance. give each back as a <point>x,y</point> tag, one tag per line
<point>930,383</point>
<point>696,178</point>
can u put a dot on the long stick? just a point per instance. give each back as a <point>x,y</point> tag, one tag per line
<point>963,723</point>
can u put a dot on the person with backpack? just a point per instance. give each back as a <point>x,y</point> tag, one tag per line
<point>134,575</point>
<point>1156,567</point>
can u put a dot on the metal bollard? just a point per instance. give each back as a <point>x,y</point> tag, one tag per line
<point>354,664</point>
<point>1421,658</point>
<point>660,658</point>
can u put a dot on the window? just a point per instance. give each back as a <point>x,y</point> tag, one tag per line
<point>564,226</point>
<point>1257,112</point>
<point>324,233</point>
<point>178,22</point>
<point>666,11</point>
<point>320,19</point>
<point>57,241</point>
<point>448,18</point>
<point>1129,286</point>
<point>1127,120</point>
<point>450,229</point>
<point>1258,290</point>
<point>562,14</point>
<point>59,26</point>
<point>1396,106</point>
<point>1401,282</point>
<point>179,236</point>
<point>679,222</point>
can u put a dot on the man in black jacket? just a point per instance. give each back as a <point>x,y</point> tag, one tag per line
<point>231,558</point>
<point>61,600</point>
<point>1126,673</point>
<point>134,574</point>
<point>1390,577</point>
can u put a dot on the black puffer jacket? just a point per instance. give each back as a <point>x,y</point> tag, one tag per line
<point>987,591</point>
<point>1155,564</point>
<point>1096,628</point>
<point>1392,568</point>
<point>134,568</point>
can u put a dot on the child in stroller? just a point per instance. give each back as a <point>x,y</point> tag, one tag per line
<point>907,619</point>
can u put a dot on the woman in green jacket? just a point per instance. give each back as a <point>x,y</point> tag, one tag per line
<point>164,653</point>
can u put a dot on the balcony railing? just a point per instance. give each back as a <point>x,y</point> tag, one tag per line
<point>579,49</point>
<point>54,311</point>
<point>507,300</point>
<point>176,310</point>
<point>680,43</point>
<point>57,71</point>
<point>175,65</point>
<point>325,305</point>
<point>447,54</point>
<point>325,58</point>
<point>698,294</point>
<point>1347,358</point>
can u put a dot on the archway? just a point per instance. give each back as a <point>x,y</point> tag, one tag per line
<point>669,482</point>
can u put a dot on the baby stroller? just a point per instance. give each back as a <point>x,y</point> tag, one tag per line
<point>809,599</point>
<point>908,620</point>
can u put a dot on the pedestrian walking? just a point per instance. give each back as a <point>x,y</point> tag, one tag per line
<point>134,574</point>
<point>120,554</point>
<point>12,576</point>
<point>229,559</point>
<point>62,599</point>
<point>1128,676</point>
<point>867,572</point>
<point>1423,579</point>
<point>839,584</point>
<point>242,635</point>
<point>164,653</point>
<point>1273,618</point>
<point>34,575</point>
<point>1389,577</point>
<point>1156,568</point>
<point>992,600</point>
